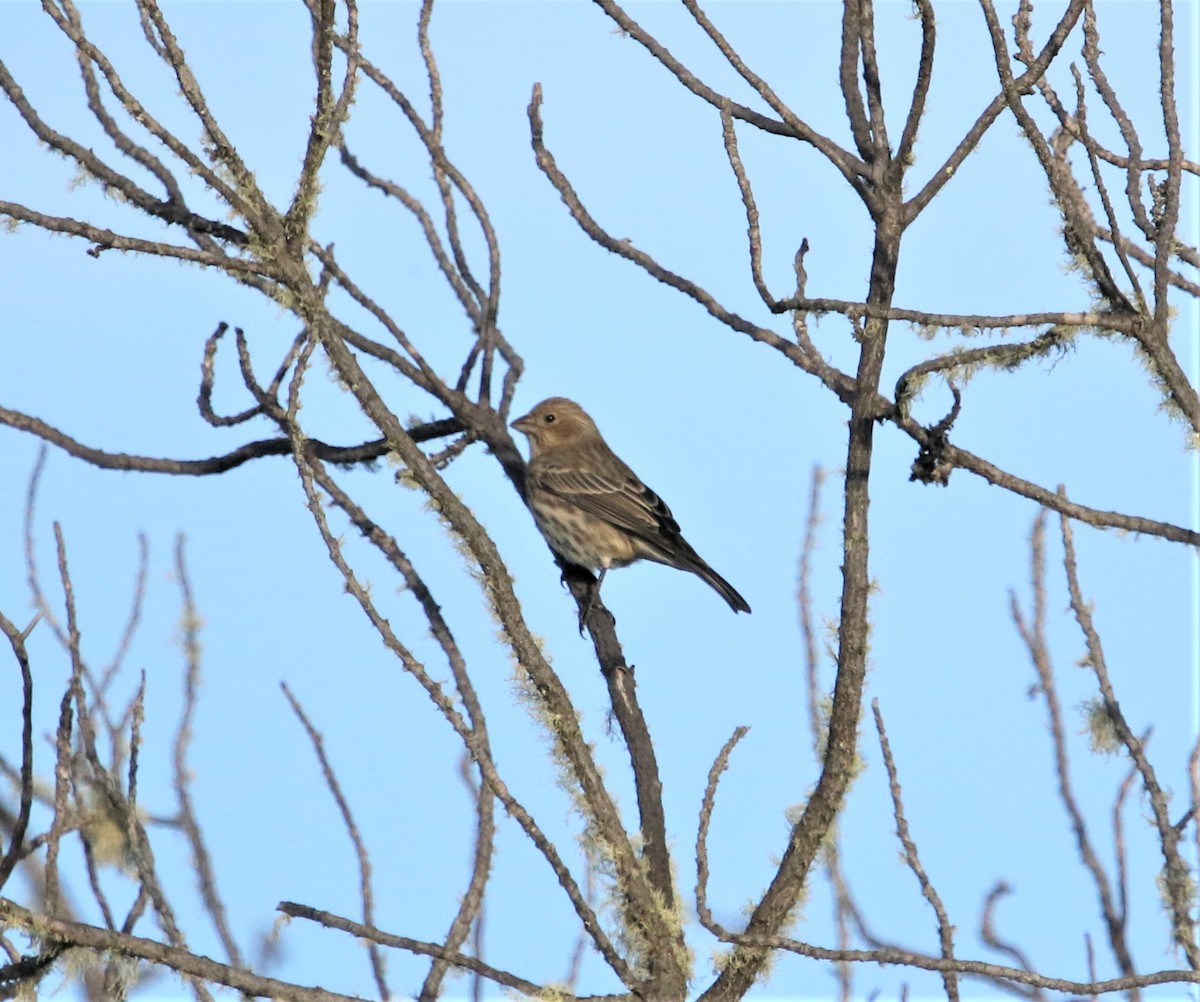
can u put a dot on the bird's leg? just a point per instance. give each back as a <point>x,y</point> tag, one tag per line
<point>577,579</point>
<point>593,593</point>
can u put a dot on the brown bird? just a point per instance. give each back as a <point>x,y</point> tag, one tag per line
<point>592,508</point>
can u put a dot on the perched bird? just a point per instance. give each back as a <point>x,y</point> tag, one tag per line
<point>592,508</point>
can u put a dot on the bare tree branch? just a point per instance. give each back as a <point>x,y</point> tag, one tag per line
<point>191,965</point>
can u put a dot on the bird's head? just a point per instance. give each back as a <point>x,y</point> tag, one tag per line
<point>554,422</point>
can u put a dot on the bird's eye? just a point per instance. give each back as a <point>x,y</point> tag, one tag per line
<point>550,418</point>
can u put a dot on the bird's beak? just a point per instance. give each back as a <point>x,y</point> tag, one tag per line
<point>522,424</point>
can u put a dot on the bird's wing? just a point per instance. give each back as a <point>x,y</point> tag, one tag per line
<point>615,495</point>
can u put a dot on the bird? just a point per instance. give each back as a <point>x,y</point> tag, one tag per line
<point>592,509</point>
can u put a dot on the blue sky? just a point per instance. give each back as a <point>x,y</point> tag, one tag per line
<point>109,350</point>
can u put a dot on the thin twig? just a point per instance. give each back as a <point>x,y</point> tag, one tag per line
<point>913,859</point>
<point>987,933</point>
<point>365,890</point>
<point>459,960</point>
<point>720,764</point>
<point>16,640</point>
<point>206,877</point>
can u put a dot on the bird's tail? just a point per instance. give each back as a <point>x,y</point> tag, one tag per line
<point>719,585</point>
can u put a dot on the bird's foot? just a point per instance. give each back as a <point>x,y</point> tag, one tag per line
<point>585,607</point>
<point>577,579</point>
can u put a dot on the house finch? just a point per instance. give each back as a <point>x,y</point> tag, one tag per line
<point>592,508</point>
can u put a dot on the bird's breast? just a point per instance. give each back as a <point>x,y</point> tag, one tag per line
<point>582,538</point>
